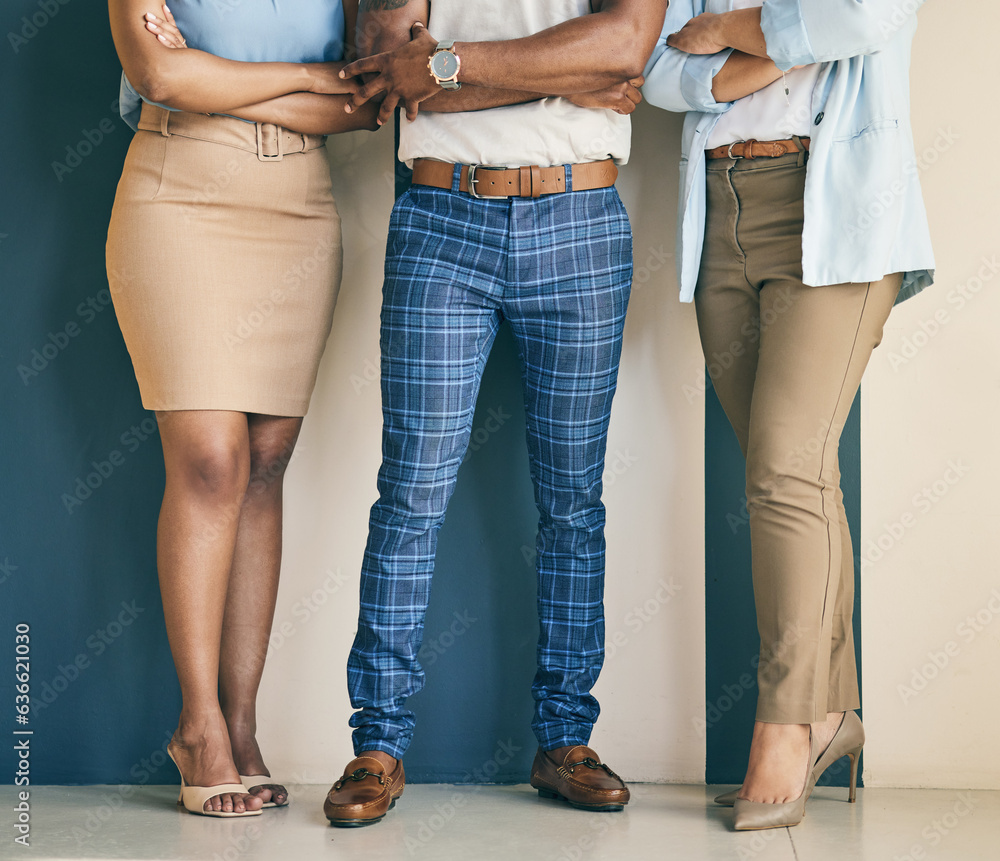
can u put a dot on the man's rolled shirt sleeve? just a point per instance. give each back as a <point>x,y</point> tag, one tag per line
<point>803,32</point>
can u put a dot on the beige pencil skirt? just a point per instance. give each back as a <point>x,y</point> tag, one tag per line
<point>224,261</point>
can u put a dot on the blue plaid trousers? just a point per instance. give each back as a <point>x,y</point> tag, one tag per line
<point>559,270</point>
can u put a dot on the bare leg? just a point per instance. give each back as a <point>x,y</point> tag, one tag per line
<point>253,589</point>
<point>206,454</point>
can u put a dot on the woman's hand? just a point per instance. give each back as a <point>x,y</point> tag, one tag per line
<point>326,79</point>
<point>165,29</point>
<point>701,35</point>
<point>620,98</point>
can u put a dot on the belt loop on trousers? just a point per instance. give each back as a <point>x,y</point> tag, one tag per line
<point>803,151</point>
<point>526,178</point>
<point>536,181</point>
<point>165,124</point>
<point>279,143</point>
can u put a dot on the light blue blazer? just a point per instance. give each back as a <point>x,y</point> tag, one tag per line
<point>864,211</point>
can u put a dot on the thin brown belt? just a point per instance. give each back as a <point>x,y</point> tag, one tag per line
<point>268,141</point>
<point>752,149</point>
<point>530,181</point>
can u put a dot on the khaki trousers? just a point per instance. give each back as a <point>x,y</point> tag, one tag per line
<point>786,361</point>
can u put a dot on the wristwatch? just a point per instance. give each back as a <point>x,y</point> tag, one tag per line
<point>444,65</point>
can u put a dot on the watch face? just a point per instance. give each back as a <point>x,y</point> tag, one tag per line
<point>444,65</point>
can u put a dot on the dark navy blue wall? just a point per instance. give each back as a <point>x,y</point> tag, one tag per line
<point>80,460</point>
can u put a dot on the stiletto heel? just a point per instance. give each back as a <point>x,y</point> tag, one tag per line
<point>855,756</point>
<point>847,741</point>
<point>193,798</point>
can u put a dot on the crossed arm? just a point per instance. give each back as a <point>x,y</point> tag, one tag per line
<point>306,97</point>
<point>595,60</point>
<point>748,68</point>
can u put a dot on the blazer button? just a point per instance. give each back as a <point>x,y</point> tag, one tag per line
<point>819,118</point>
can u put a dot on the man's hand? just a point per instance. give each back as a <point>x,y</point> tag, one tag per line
<point>620,98</point>
<point>701,35</point>
<point>402,75</point>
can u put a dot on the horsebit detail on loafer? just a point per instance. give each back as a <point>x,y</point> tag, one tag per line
<point>359,774</point>
<point>590,762</point>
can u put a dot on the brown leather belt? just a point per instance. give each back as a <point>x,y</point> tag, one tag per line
<point>270,142</point>
<point>530,181</point>
<point>757,149</point>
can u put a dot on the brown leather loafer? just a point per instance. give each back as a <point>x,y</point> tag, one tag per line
<point>580,778</point>
<point>364,794</point>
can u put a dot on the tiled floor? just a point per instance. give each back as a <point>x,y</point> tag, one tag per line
<point>463,823</point>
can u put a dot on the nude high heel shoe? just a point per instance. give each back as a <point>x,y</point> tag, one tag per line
<point>847,741</point>
<point>193,798</point>
<point>754,815</point>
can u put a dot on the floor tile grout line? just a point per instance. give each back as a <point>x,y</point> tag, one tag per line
<point>791,842</point>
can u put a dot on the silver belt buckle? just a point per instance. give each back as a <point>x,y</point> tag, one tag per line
<point>472,181</point>
<point>729,151</point>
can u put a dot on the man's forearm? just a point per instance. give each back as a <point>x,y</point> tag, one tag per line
<point>578,56</point>
<point>384,25</point>
<point>472,98</point>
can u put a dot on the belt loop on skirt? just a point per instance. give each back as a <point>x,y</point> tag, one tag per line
<point>264,142</point>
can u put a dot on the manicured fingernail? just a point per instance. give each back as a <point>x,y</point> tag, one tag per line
<point>152,17</point>
<point>163,39</point>
<point>341,73</point>
<point>348,108</point>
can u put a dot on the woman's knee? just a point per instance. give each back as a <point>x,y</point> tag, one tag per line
<point>270,453</point>
<point>215,468</point>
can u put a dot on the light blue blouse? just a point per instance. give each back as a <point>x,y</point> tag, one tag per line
<point>864,212</point>
<point>253,31</point>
